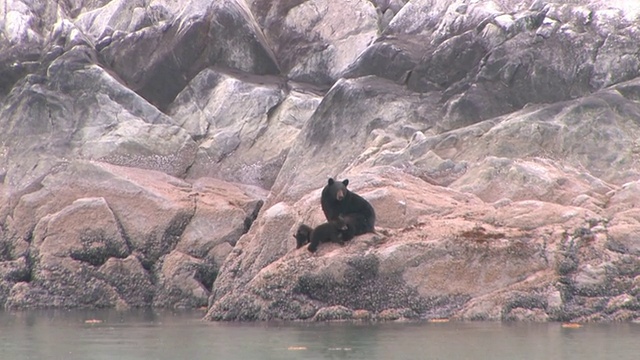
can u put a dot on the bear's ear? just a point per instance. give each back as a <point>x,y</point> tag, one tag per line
<point>331,181</point>
<point>345,182</point>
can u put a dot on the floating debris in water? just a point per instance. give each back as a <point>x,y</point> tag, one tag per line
<point>297,348</point>
<point>438,320</point>
<point>93,321</point>
<point>571,325</point>
<point>339,349</point>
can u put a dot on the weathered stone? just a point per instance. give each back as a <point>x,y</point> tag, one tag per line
<point>131,281</point>
<point>158,61</point>
<point>152,224</point>
<point>497,142</point>
<point>329,144</point>
<point>625,198</point>
<point>86,231</point>
<point>62,282</point>
<point>224,212</point>
<point>314,41</point>
<point>246,125</point>
<point>395,314</point>
<point>178,285</point>
<point>388,58</point>
<point>79,110</point>
<point>624,301</point>
<point>333,313</point>
<point>623,233</point>
<point>14,270</point>
<point>537,179</point>
<point>592,280</point>
<point>520,314</point>
<point>362,315</point>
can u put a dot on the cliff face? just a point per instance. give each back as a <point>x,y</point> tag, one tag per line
<point>162,153</point>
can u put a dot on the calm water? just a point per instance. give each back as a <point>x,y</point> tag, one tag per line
<point>153,335</point>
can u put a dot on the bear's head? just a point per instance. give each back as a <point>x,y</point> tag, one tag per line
<point>338,189</point>
<point>302,236</point>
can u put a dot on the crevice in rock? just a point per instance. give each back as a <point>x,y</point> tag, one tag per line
<point>187,170</point>
<point>28,275</point>
<point>15,197</point>
<point>121,231</point>
<point>6,248</point>
<point>248,221</point>
<point>206,274</point>
<point>174,231</point>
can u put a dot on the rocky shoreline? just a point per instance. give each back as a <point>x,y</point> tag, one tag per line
<point>162,153</point>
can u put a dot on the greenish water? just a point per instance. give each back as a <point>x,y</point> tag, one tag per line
<point>166,335</point>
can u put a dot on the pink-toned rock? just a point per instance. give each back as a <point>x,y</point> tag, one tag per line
<point>623,231</point>
<point>111,226</point>
<point>152,208</point>
<point>131,281</point>
<point>86,231</point>
<point>179,282</point>
<point>62,283</point>
<point>536,179</point>
<point>625,198</point>
<point>223,214</point>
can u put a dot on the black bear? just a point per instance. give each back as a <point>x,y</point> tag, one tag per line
<point>337,201</point>
<point>331,231</point>
<point>351,221</point>
<point>303,235</point>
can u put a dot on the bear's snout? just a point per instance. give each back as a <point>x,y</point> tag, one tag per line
<point>340,195</point>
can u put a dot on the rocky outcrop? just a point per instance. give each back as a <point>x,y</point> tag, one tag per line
<point>119,229</point>
<point>162,153</point>
<point>314,41</point>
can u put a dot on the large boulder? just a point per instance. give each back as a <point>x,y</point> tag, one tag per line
<point>157,49</point>
<point>316,40</point>
<point>78,110</point>
<point>245,124</point>
<point>132,282</point>
<point>86,231</point>
<point>113,227</point>
<point>224,213</point>
<point>152,223</point>
<point>179,282</point>
<point>447,249</point>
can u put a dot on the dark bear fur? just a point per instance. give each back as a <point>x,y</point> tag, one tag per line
<point>337,200</point>
<point>303,235</point>
<point>351,221</point>
<point>330,231</point>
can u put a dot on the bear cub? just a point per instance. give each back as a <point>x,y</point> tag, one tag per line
<point>303,235</point>
<point>331,231</point>
<point>337,200</point>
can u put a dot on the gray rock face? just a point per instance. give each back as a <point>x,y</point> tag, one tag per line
<point>488,61</point>
<point>157,49</point>
<point>162,153</point>
<point>245,124</point>
<point>315,40</point>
